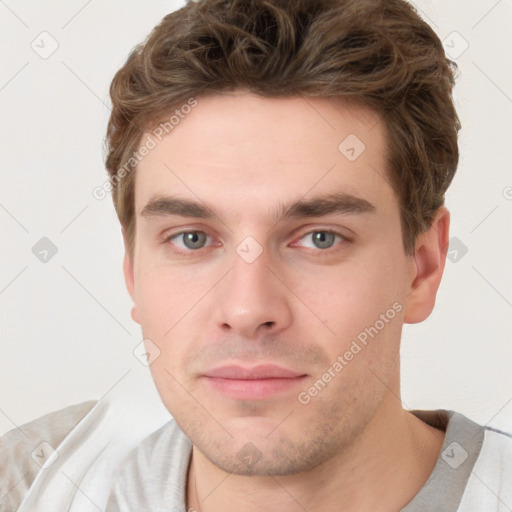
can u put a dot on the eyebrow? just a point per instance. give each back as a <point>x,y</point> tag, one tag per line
<point>341,203</point>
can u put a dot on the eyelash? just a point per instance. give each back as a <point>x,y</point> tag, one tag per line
<point>328,251</point>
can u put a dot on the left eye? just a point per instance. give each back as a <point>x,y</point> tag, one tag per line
<point>322,239</point>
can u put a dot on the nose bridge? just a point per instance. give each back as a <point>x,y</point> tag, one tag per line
<point>250,274</point>
<point>251,296</point>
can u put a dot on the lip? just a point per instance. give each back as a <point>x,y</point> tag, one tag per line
<point>263,371</point>
<point>254,383</point>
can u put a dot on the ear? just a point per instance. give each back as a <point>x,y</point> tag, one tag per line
<point>129,278</point>
<point>426,268</point>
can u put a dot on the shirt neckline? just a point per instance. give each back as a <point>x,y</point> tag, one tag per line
<point>461,447</point>
<point>446,484</point>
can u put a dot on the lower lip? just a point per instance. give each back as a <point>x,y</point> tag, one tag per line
<point>254,389</point>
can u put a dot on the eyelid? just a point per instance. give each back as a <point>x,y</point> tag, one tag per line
<point>188,228</point>
<point>344,232</point>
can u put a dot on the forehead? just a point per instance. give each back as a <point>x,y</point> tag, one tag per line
<point>243,150</point>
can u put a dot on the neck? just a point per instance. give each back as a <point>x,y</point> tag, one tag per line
<point>382,470</point>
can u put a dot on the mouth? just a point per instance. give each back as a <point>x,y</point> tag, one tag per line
<point>255,383</point>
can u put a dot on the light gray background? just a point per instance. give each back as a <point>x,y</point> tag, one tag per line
<point>66,331</point>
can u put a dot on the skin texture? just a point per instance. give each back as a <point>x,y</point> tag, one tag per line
<point>295,305</point>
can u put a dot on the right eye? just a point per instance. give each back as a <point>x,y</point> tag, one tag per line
<point>188,241</point>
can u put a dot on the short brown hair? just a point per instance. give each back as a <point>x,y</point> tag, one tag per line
<point>376,52</point>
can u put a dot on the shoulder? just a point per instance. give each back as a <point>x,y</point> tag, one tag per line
<point>490,484</point>
<point>492,446</point>
<point>153,472</point>
<point>25,449</point>
<point>496,451</point>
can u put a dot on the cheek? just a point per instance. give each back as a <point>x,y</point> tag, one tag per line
<point>351,297</point>
<point>163,300</point>
<point>165,295</point>
<point>167,302</point>
<point>155,300</point>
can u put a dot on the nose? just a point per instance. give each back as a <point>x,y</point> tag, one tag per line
<point>251,301</point>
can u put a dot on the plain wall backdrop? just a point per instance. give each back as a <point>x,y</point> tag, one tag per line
<point>66,331</point>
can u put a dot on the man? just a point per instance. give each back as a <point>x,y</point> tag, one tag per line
<point>283,217</point>
<point>279,171</point>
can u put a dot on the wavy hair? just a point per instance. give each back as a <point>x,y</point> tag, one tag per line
<point>376,52</point>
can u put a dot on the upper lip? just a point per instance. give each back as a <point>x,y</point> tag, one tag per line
<point>264,371</point>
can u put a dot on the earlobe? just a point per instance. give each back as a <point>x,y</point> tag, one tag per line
<point>129,278</point>
<point>129,275</point>
<point>426,269</point>
<point>135,315</point>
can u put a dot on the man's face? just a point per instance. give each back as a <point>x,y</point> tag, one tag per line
<point>251,310</point>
